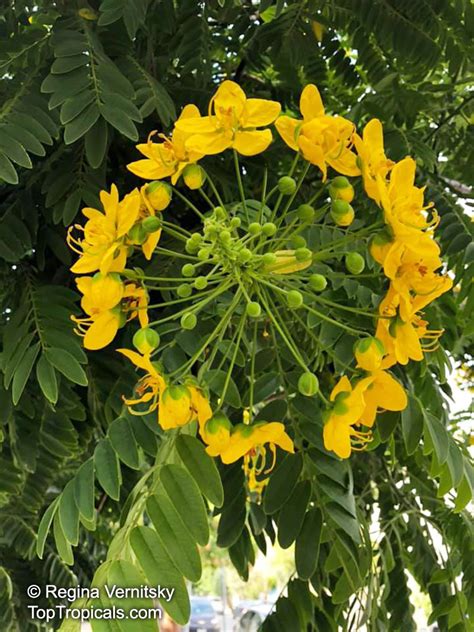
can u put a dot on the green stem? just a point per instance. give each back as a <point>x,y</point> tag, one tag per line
<point>240,184</point>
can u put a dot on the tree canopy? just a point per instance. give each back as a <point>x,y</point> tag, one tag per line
<point>91,492</point>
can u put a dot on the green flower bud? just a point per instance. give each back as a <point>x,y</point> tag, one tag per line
<point>269,229</point>
<point>220,212</point>
<point>253,309</point>
<point>303,254</point>
<point>158,195</point>
<point>210,231</point>
<point>235,222</point>
<point>341,189</point>
<point>146,340</point>
<point>137,234</point>
<point>191,247</point>
<point>225,236</point>
<point>355,262</point>
<point>196,238</point>
<point>340,182</point>
<point>308,384</point>
<point>287,185</point>
<point>340,207</point>
<point>318,282</point>
<point>268,258</point>
<point>184,290</point>
<point>200,283</point>
<point>294,299</point>
<point>245,255</point>
<point>188,270</point>
<point>306,213</point>
<point>203,254</point>
<point>298,242</point>
<point>194,176</point>
<point>151,224</point>
<point>188,321</point>
<point>255,228</point>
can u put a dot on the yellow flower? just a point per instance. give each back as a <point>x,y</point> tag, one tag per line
<point>231,123</point>
<point>250,440</point>
<point>349,405</point>
<point>382,393</point>
<point>149,386</point>
<point>372,159</point>
<point>322,139</point>
<point>175,407</point>
<point>369,353</point>
<point>171,156</point>
<point>200,404</point>
<point>103,245</point>
<point>102,295</point>
<point>216,433</point>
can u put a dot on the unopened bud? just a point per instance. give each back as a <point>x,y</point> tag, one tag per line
<point>287,185</point>
<point>158,194</point>
<point>355,263</point>
<point>188,321</point>
<point>146,340</point>
<point>308,384</point>
<point>194,176</point>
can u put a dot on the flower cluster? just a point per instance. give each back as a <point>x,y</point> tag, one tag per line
<point>252,259</point>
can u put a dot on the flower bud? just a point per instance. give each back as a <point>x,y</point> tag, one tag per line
<point>188,321</point>
<point>216,432</point>
<point>235,222</point>
<point>269,229</point>
<point>287,185</point>
<point>220,212</point>
<point>188,270</point>
<point>298,242</point>
<point>318,282</point>
<point>342,213</point>
<point>306,213</point>
<point>191,247</point>
<point>253,309</point>
<point>137,234</point>
<point>245,255</point>
<point>308,384</point>
<point>146,340</point>
<point>194,176</point>
<point>203,254</point>
<point>355,262</point>
<point>225,236</point>
<point>255,228</point>
<point>294,299</point>
<point>158,194</point>
<point>184,290</point>
<point>268,258</point>
<point>303,254</point>
<point>341,189</point>
<point>369,353</point>
<point>151,224</point>
<point>200,283</point>
<point>175,407</point>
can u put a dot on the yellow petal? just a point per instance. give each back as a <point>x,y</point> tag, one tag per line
<point>345,163</point>
<point>102,331</point>
<point>209,144</point>
<point>197,125</point>
<point>337,438</point>
<point>150,169</point>
<point>229,97</point>
<point>343,386</point>
<point>150,244</point>
<point>286,263</point>
<point>252,143</point>
<point>260,112</point>
<point>140,361</point>
<point>313,154</point>
<point>189,111</point>
<point>288,129</point>
<point>127,213</point>
<point>311,104</point>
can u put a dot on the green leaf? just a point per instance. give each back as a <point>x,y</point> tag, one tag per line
<point>160,570</point>
<point>442,608</point>
<point>308,543</point>
<point>47,380</point>
<point>123,442</point>
<point>84,490</point>
<point>7,170</point>
<point>118,119</point>
<point>66,364</point>
<point>291,516</point>
<point>44,527</point>
<point>63,546</point>
<point>438,435</point>
<point>282,482</point>
<point>186,498</point>
<point>76,128</point>
<point>201,467</point>
<point>412,424</point>
<point>107,468</point>
<point>96,143</point>
<point>344,521</point>
<point>175,535</point>
<point>23,371</point>
<point>69,514</point>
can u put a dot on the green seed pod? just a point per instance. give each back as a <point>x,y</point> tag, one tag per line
<point>184,290</point>
<point>308,384</point>
<point>151,224</point>
<point>188,321</point>
<point>253,309</point>
<point>146,340</point>
<point>188,270</point>
<point>255,228</point>
<point>294,299</point>
<point>318,282</point>
<point>355,262</point>
<point>245,255</point>
<point>200,283</point>
<point>306,213</point>
<point>287,185</point>
<point>269,229</point>
<point>303,254</point>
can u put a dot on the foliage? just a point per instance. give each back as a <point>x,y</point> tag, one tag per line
<point>80,82</point>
